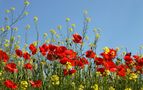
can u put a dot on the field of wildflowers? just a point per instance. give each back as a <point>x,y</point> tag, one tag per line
<point>64,62</point>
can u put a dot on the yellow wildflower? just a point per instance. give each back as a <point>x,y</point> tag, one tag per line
<point>128,89</point>
<point>97,35</point>
<point>59,27</point>
<point>98,74</point>
<point>133,76</point>
<point>107,72</point>
<point>94,87</point>
<point>35,18</point>
<point>53,31</point>
<point>55,79</point>
<point>68,65</point>
<point>81,87</point>
<point>111,88</point>
<point>26,3</point>
<point>7,27</point>
<point>2,29</point>
<point>106,50</point>
<point>67,19</point>
<point>23,85</point>
<point>141,88</point>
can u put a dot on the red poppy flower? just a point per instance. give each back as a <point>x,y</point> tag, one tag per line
<point>110,66</point>
<point>70,54</point>
<point>28,66</point>
<point>128,59</point>
<point>106,56</point>
<point>72,71</point>
<point>121,73</point>
<point>80,64</point>
<point>51,56</point>
<point>64,60</point>
<point>26,55</point>
<point>77,38</point>
<point>90,54</point>
<point>109,56</point>
<point>10,84</point>
<point>140,62</point>
<point>69,72</point>
<point>136,57</point>
<point>84,60</point>
<point>65,71</point>
<point>52,47</point>
<point>101,70</point>
<point>60,51</point>
<point>36,84</point>
<point>98,60</point>
<point>33,49</point>
<point>43,49</point>
<point>11,67</point>
<point>112,53</point>
<point>3,56</point>
<point>138,68</point>
<point>121,70</point>
<point>18,52</point>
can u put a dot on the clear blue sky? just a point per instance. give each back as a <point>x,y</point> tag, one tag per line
<point>121,21</point>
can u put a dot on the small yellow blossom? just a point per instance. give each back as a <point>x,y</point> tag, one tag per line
<point>67,19</point>
<point>73,25</point>
<point>92,45</point>
<point>94,87</point>
<point>81,87</point>
<point>128,71</point>
<point>128,89</point>
<point>27,27</point>
<point>35,43</point>
<point>15,29</point>
<point>141,88</point>
<point>7,11</point>
<point>133,76</point>
<point>7,27</point>
<point>43,62</point>
<point>26,13</point>
<point>98,74</point>
<point>23,85</point>
<point>26,2</point>
<point>97,35</point>
<point>73,84</point>
<point>55,79</point>
<point>111,88</point>
<point>107,72</point>
<point>106,50</point>
<point>68,65</point>
<point>53,31</point>
<point>2,29</point>
<point>6,45</point>
<point>71,29</point>
<point>12,8</point>
<point>35,18</point>
<point>88,19</point>
<point>59,27</point>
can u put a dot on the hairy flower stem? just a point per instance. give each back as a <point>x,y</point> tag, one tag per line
<point>84,32</point>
